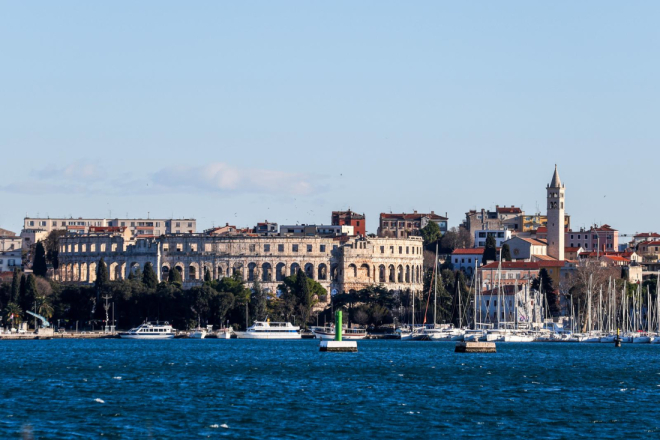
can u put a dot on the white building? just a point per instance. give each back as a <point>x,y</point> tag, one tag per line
<point>522,249</point>
<point>501,235</point>
<point>139,227</point>
<point>313,230</point>
<point>467,259</point>
<point>10,252</point>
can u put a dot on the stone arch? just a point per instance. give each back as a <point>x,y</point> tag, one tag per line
<point>280,272</point>
<point>221,272</point>
<point>83,272</point>
<point>266,272</point>
<point>134,267</point>
<point>407,274</point>
<point>252,271</point>
<point>323,272</point>
<point>179,267</point>
<point>334,272</point>
<point>113,268</point>
<point>365,271</point>
<point>309,270</point>
<point>164,272</point>
<point>352,270</point>
<point>392,276</point>
<point>381,273</point>
<point>193,271</point>
<point>237,269</point>
<point>92,272</point>
<point>294,268</point>
<point>399,274</point>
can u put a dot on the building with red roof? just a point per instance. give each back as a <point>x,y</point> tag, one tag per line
<point>408,225</point>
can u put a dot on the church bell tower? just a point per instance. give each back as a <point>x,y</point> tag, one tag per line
<point>556,232</point>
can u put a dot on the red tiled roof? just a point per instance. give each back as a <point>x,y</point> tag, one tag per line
<point>617,258</point>
<point>542,229</point>
<point>571,249</point>
<point>535,241</point>
<point>473,251</point>
<point>648,234</point>
<point>511,210</point>
<point>511,265</point>
<point>555,263</point>
<point>650,243</point>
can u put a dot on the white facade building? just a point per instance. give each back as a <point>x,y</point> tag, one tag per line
<point>10,253</point>
<point>467,259</point>
<point>501,235</point>
<point>139,227</point>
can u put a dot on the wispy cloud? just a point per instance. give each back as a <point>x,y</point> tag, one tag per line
<point>222,177</point>
<point>87,178</point>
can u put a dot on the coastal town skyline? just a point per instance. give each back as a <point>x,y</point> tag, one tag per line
<point>413,110</point>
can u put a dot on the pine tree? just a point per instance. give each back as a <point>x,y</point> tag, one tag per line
<point>102,277</point>
<point>506,252</point>
<point>31,293</point>
<point>149,277</point>
<point>207,275</point>
<point>39,266</point>
<point>174,277</point>
<point>15,285</point>
<point>490,251</point>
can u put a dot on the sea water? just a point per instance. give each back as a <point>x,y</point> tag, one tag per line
<point>288,389</point>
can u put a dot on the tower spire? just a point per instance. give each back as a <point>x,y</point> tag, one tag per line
<point>556,181</point>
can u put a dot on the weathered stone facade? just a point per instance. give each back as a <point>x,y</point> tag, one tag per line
<point>338,267</point>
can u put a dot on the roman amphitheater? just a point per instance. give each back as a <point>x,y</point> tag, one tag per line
<point>338,266</point>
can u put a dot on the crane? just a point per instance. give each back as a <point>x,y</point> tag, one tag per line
<point>44,321</point>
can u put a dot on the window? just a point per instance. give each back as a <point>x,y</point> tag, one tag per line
<point>400,249</point>
<point>571,238</point>
<point>382,249</point>
<point>266,248</point>
<point>391,249</point>
<point>462,260</point>
<point>253,248</point>
<point>190,224</point>
<point>482,235</point>
<point>123,223</point>
<point>407,250</point>
<point>456,260</point>
<point>294,248</point>
<point>132,224</point>
<point>31,223</point>
<point>309,248</point>
<point>178,224</point>
<point>280,248</point>
<point>322,248</point>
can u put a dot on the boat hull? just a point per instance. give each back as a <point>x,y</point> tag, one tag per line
<point>344,337</point>
<point>268,336</point>
<point>146,337</point>
<point>197,335</point>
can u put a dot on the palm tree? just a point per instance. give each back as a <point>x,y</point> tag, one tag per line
<point>46,310</point>
<point>15,310</point>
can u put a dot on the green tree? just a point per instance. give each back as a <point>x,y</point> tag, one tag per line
<point>27,300</point>
<point>506,252</point>
<point>207,275</point>
<point>39,266</point>
<point>174,277</point>
<point>149,278</point>
<point>15,285</point>
<point>259,302</point>
<point>102,277</point>
<point>52,245</point>
<point>490,251</point>
<point>13,313</point>
<point>544,282</point>
<point>430,233</point>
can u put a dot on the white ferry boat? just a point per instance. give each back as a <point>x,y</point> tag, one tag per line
<point>198,333</point>
<point>347,334</point>
<point>270,330</point>
<point>150,331</point>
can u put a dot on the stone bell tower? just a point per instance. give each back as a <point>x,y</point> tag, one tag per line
<point>556,232</point>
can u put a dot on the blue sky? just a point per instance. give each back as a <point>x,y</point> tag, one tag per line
<point>243,111</point>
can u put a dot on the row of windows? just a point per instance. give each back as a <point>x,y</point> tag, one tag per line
<point>594,236</point>
<point>586,245</point>
<point>415,250</point>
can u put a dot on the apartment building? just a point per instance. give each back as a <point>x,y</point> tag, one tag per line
<point>139,227</point>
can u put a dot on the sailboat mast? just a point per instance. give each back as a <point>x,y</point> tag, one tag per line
<point>435,286</point>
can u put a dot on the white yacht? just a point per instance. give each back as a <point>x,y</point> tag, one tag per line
<point>150,331</point>
<point>198,333</point>
<point>347,334</point>
<point>270,330</point>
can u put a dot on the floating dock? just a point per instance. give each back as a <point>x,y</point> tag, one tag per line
<point>475,347</point>
<point>339,346</point>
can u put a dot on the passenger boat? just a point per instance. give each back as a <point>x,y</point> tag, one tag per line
<point>347,334</point>
<point>270,330</point>
<point>150,331</point>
